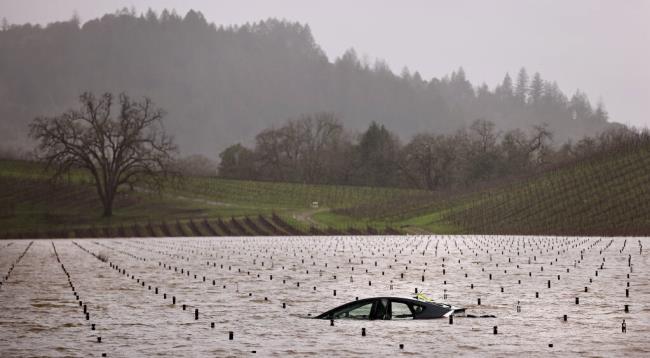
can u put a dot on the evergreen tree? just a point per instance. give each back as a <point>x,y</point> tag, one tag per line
<point>378,155</point>
<point>406,73</point>
<point>237,162</point>
<point>521,89</point>
<point>461,88</point>
<point>601,115</point>
<point>536,89</point>
<point>580,107</point>
<point>505,89</point>
<point>151,16</point>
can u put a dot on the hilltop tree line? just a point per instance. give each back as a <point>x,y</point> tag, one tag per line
<point>218,83</point>
<point>316,148</point>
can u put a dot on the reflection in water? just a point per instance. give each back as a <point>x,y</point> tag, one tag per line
<point>261,288</point>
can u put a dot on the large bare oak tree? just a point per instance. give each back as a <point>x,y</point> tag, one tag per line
<point>118,148</point>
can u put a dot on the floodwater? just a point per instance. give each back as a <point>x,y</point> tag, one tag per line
<point>247,281</point>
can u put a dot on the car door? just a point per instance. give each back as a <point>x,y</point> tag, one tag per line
<point>401,310</point>
<point>380,309</point>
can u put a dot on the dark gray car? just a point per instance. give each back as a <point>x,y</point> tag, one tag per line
<point>388,308</point>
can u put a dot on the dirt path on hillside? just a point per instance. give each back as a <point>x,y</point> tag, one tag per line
<point>414,230</point>
<point>307,216</point>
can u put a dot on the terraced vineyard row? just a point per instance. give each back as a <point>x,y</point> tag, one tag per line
<point>242,226</point>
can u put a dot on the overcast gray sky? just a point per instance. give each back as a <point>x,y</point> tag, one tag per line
<point>599,46</point>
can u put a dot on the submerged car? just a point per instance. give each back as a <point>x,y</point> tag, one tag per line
<point>390,308</point>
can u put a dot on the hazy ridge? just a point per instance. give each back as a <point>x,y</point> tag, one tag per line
<point>223,85</point>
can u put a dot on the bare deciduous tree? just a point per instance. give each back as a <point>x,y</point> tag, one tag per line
<point>118,149</point>
<point>323,138</point>
<point>304,149</point>
<point>429,160</point>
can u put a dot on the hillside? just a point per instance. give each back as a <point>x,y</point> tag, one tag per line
<point>603,194</point>
<point>31,206</point>
<point>220,85</point>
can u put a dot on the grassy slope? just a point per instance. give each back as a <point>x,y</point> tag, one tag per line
<point>29,203</point>
<point>609,195</point>
<point>288,195</point>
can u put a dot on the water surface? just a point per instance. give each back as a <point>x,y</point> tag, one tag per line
<point>247,281</point>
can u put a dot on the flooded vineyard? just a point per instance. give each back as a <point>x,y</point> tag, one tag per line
<point>253,296</point>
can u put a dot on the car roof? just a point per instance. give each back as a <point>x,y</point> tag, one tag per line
<point>396,298</point>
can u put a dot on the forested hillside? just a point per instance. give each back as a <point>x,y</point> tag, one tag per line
<point>604,190</point>
<point>221,85</point>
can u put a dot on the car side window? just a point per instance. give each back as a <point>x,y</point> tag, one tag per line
<point>400,310</point>
<point>355,312</point>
